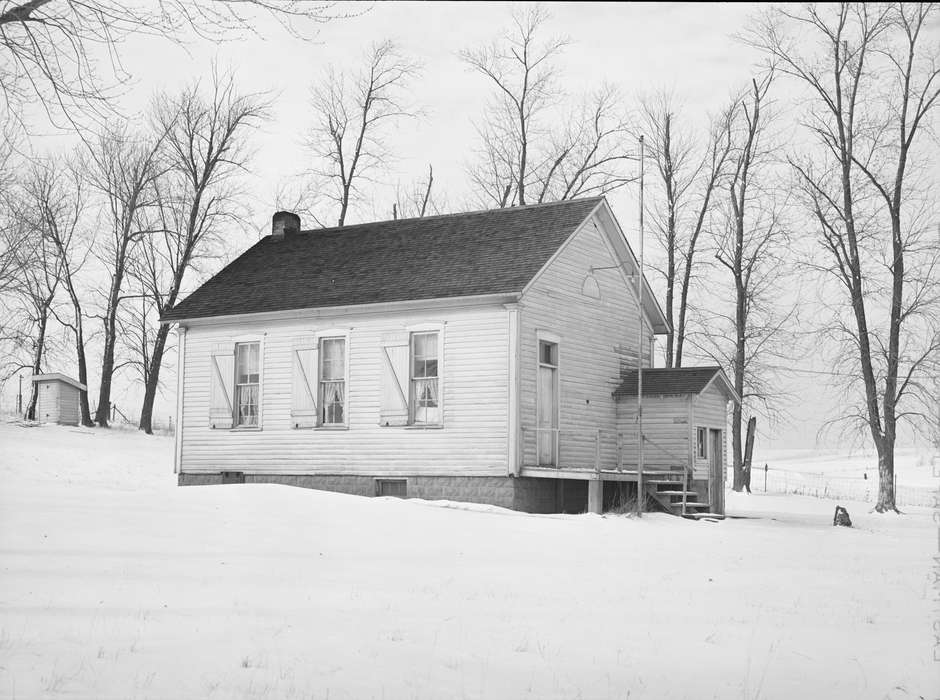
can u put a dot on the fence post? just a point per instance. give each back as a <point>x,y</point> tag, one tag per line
<point>113,409</point>
<point>765,477</point>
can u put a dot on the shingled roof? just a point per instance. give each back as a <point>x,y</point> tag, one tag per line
<point>682,380</point>
<point>497,251</point>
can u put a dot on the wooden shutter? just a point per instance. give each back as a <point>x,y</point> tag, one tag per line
<point>303,410</point>
<point>395,355</point>
<point>222,388</point>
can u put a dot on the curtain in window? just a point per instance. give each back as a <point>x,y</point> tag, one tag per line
<point>334,401</point>
<point>427,405</point>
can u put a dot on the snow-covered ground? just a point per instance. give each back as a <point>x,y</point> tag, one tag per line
<point>114,583</point>
<point>913,466</point>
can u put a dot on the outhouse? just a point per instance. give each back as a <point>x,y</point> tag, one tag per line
<point>57,399</point>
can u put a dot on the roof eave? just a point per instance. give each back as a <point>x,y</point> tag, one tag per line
<point>351,309</point>
<point>729,388</point>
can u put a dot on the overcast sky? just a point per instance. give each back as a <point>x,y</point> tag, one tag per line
<point>687,48</point>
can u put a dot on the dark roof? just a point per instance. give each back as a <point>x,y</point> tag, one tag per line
<point>661,380</point>
<point>485,252</point>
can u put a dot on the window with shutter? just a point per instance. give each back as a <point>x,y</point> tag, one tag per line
<point>304,383</point>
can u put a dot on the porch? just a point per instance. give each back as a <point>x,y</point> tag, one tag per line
<point>603,455</point>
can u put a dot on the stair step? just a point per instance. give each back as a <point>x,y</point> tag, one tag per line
<point>676,493</point>
<point>704,516</point>
<point>677,482</point>
<point>694,504</point>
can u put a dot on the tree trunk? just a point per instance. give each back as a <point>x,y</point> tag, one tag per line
<point>153,379</point>
<point>83,378</point>
<point>886,496</point>
<point>737,413</point>
<point>80,355</point>
<point>102,415</point>
<point>37,365</point>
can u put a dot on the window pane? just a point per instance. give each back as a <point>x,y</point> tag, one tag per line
<point>424,361</point>
<point>426,345</point>
<point>548,353</point>
<point>246,362</point>
<point>333,358</point>
<point>248,404</point>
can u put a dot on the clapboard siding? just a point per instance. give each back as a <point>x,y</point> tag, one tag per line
<point>68,404</point>
<point>475,381</point>
<point>666,426</point>
<point>595,335</point>
<point>711,411</point>
<point>47,402</point>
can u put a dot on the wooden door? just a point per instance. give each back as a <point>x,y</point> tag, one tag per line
<point>716,476</point>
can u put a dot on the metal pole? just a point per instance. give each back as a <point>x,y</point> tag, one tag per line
<point>639,349</point>
<point>19,396</point>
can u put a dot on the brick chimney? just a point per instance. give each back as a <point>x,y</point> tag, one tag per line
<point>284,222</point>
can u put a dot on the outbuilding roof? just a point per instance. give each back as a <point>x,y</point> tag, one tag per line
<point>662,381</point>
<point>496,251</point>
<point>56,377</point>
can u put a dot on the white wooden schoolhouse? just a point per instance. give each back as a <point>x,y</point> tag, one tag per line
<point>487,356</point>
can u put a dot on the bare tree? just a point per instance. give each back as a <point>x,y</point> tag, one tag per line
<point>205,152</point>
<point>752,246</point>
<point>522,69</point>
<point>352,116</point>
<point>37,277</point>
<point>124,169</point>
<point>874,82</point>
<point>416,201</point>
<point>55,200</point>
<point>66,55</point>
<point>687,176</point>
<point>532,148</point>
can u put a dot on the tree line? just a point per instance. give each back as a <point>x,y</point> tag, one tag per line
<point>783,227</point>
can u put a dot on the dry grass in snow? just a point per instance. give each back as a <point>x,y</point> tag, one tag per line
<point>115,583</point>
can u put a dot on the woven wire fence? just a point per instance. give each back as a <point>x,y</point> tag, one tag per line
<point>848,487</point>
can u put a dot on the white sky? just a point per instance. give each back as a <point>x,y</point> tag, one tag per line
<point>638,47</point>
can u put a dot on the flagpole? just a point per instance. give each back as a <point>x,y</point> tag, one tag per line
<point>639,353</point>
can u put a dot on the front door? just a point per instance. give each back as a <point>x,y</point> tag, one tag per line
<point>547,421</point>
<point>716,481</point>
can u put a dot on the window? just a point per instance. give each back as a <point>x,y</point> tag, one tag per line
<point>247,386</point>
<point>548,354</point>
<point>398,488</point>
<point>590,287</point>
<point>333,381</point>
<point>425,389</point>
<point>702,443</point>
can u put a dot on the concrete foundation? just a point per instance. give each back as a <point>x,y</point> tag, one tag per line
<point>518,493</point>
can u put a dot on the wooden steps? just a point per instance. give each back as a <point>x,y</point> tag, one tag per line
<point>669,494</point>
<point>703,516</point>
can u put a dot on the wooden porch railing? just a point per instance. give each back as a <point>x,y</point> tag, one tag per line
<point>602,450</point>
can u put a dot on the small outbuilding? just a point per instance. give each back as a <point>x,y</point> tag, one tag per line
<point>57,398</point>
<point>685,413</point>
